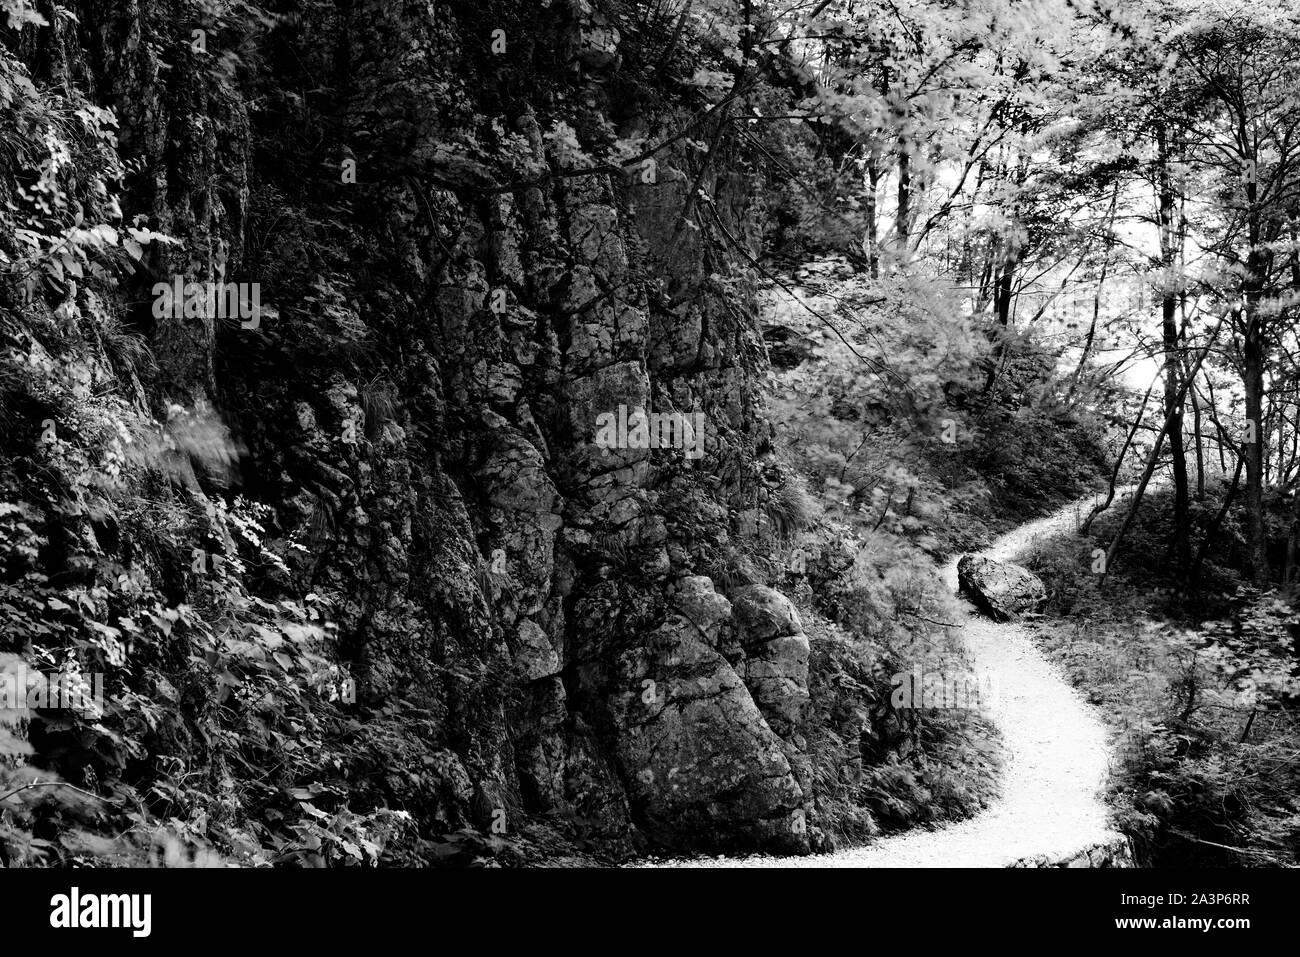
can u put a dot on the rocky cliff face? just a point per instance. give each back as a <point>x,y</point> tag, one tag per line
<point>458,289</point>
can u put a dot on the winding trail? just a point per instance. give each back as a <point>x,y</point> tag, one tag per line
<point>1057,757</point>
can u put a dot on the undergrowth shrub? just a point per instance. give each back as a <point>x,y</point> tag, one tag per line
<point>1199,690</point>
<point>124,556</point>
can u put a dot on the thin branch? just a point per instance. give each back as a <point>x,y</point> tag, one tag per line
<point>54,784</point>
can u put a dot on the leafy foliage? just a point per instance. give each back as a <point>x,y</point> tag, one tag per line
<point>1200,696</point>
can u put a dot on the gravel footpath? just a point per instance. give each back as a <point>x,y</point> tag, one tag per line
<point>1056,755</point>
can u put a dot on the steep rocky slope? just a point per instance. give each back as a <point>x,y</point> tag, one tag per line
<point>456,283</point>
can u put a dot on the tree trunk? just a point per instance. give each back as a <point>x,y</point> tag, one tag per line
<point>1253,359</point>
<point>903,219</point>
<point>1119,462</point>
<point>1253,441</point>
<point>873,226</point>
<point>1096,301</point>
<point>1169,299</point>
<point>1212,405</point>
<point>1155,457</point>
<point>1200,446</point>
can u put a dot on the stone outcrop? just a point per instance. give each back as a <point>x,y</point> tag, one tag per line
<point>526,612</point>
<point>775,664</point>
<point>1000,589</point>
<point>705,768</point>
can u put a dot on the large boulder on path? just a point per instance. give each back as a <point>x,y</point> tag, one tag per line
<point>1000,589</point>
